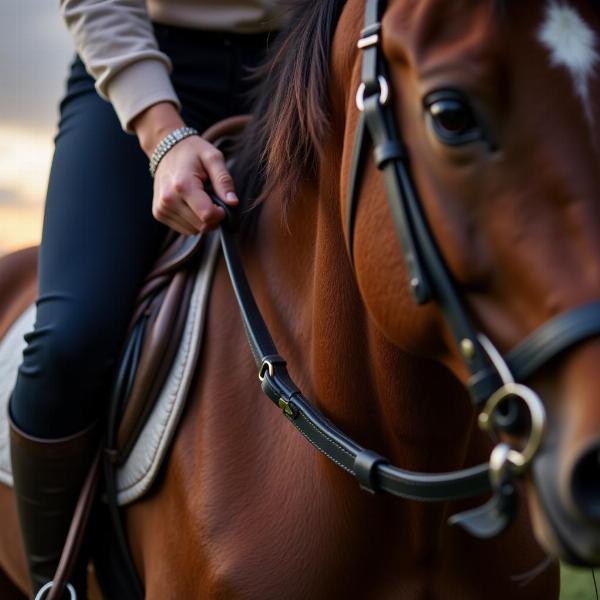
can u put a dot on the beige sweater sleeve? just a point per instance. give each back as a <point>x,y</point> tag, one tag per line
<point>117,45</point>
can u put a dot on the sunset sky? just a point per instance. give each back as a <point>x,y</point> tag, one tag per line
<point>34,53</point>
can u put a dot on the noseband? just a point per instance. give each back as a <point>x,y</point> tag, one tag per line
<point>494,379</point>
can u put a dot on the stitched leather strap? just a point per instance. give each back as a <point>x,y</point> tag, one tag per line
<point>373,472</point>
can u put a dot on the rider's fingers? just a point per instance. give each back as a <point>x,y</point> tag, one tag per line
<point>206,214</point>
<point>201,204</point>
<point>168,209</point>
<point>179,182</point>
<point>178,225</point>
<point>213,162</point>
<point>202,222</point>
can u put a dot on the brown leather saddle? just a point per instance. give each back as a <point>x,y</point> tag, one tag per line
<point>159,318</point>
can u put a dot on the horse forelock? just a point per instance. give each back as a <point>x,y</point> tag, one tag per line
<point>291,116</point>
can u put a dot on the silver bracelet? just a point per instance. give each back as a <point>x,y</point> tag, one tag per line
<point>167,143</point>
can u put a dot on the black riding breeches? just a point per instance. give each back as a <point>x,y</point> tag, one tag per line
<point>99,238</point>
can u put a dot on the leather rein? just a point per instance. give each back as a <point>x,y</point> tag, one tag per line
<point>494,378</point>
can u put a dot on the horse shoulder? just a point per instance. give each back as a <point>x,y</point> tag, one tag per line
<point>18,285</point>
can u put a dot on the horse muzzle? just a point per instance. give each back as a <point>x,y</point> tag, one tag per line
<point>565,475</point>
<point>565,525</point>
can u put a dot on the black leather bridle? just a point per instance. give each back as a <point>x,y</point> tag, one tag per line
<point>429,277</point>
<point>493,378</point>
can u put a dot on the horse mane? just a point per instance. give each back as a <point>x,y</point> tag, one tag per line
<point>291,106</point>
<point>282,146</point>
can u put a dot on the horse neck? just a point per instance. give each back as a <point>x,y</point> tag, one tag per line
<point>381,396</point>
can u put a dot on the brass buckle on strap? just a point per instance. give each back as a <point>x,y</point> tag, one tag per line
<point>287,408</point>
<point>267,366</point>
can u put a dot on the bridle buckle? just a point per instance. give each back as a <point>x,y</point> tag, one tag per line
<point>266,367</point>
<point>384,93</point>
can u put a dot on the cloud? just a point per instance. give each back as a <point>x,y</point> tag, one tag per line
<point>8,197</point>
<point>24,163</point>
<point>35,49</point>
<point>13,197</point>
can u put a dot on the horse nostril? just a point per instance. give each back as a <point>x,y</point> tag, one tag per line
<point>585,482</point>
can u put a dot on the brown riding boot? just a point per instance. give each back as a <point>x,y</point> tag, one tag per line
<point>48,476</point>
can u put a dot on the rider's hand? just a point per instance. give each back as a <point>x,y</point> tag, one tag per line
<point>180,200</point>
<point>179,197</point>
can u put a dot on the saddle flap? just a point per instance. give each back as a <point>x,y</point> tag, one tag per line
<point>165,313</point>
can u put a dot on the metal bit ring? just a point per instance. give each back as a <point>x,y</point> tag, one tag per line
<point>519,459</point>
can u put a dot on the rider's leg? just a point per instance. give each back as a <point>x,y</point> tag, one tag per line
<point>99,240</point>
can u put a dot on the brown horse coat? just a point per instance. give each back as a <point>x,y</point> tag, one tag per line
<point>245,507</point>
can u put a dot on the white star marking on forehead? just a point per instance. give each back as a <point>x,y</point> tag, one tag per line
<point>572,44</point>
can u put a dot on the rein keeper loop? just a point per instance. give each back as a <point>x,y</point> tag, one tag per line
<point>392,150</point>
<point>364,469</point>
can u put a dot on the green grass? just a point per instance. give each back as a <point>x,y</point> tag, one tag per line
<point>577,584</point>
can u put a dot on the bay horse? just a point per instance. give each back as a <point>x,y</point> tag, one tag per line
<point>496,102</point>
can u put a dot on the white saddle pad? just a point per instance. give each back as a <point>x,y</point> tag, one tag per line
<point>136,476</point>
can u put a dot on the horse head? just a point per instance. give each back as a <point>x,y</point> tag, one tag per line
<point>496,105</point>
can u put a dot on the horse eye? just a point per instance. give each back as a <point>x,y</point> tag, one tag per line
<point>452,119</point>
